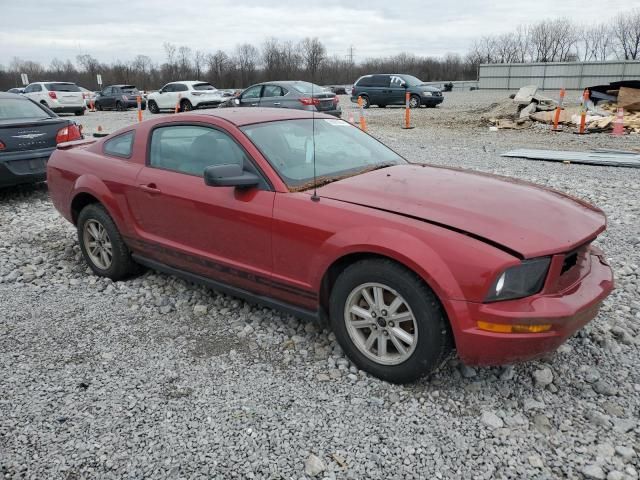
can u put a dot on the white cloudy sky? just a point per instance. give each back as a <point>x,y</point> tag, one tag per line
<point>120,29</point>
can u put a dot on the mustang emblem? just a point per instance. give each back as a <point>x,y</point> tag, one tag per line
<point>29,135</point>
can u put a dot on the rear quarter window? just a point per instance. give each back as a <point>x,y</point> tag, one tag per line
<point>120,146</point>
<point>63,87</point>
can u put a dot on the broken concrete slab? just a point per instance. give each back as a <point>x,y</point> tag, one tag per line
<point>528,110</point>
<point>525,94</point>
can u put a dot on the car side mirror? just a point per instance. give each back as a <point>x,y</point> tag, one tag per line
<point>161,91</point>
<point>236,101</point>
<point>229,175</point>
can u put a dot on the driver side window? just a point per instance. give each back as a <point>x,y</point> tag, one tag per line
<point>252,92</point>
<point>190,149</point>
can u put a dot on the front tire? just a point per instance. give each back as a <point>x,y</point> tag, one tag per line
<point>153,107</point>
<point>388,321</point>
<point>120,107</point>
<point>185,106</point>
<point>102,245</point>
<point>366,103</point>
<point>79,112</point>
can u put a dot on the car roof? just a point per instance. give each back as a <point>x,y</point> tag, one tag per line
<point>13,95</point>
<point>248,116</point>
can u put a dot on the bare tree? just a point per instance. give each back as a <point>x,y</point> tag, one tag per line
<point>595,43</point>
<point>626,30</point>
<point>218,65</point>
<point>313,55</point>
<point>553,40</point>
<point>247,58</point>
<point>184,60</point>
<point>199,59</point>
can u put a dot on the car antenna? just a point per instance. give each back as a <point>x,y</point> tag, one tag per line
<point>315,196</point>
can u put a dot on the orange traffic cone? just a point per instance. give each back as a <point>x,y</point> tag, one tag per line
<point>618,123</point>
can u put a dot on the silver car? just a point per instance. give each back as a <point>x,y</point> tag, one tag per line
<point>290,94</point>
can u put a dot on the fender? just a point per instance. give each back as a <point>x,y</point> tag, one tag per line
<point>89,183</point>
<point>408,250</point>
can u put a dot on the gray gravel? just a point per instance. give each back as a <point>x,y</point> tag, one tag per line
<point>157,378</point>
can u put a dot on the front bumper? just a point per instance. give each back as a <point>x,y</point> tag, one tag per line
<point>30,166</point>
<point>67,108</point>
<point>431,100</point>
<point>567,312</point>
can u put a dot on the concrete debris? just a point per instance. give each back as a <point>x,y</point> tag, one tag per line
<point>525,94</point>
<point>529,107</point>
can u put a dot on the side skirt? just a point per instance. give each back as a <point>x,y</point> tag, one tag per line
<point>223,287</point>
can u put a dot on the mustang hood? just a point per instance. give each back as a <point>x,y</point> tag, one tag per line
<point>526,219</point>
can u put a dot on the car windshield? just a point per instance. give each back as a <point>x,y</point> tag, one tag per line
<point>62,87</point>
<point>307,88</point>
<point>341,150</point>
<point>203,86</point>
<point>18,108</point>
<point>412,81</point>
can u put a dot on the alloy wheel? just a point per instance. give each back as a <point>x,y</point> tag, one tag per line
<point>381,324</point>
<point>98,244</point>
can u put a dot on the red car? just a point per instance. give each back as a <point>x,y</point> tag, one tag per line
<point>404,260</point>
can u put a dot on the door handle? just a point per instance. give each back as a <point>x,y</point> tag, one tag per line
<point>254,104</point>
<point>150,188</point>
<point>277,104</point>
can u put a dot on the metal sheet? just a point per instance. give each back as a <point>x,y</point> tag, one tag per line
<point>612,158</point>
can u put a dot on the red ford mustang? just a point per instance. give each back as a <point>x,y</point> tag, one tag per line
<point>404,260</point>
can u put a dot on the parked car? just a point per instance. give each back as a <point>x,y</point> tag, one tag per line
<point>15,90</point>
<point>309,214</point>
<point>61,97</point>
<point>29,132</point>
<point>338,89</point>
<point>119,97</point>
<point>187,95</point>
<point>390,89</point>
<point>290,94</point>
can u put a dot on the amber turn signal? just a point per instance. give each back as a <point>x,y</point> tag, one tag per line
<point>512,328</point>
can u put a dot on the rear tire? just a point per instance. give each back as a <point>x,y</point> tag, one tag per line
<point>414,101</point>
<point>153,107</point>
<point>409,328</point>
<point>44,103</point>
<point>382,106</point>
<point>98,107</point>
<point>120,107</point>
<point>79,112</point>
<point>102,245</point>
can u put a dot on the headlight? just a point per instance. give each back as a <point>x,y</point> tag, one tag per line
<point>520,281</point>
<point>427,94</point>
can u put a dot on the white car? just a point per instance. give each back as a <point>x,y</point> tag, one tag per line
<point>61,97</point>
<point>186,95</point>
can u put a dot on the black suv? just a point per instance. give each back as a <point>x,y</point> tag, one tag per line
<point>119,97</point>
<point>390,89</point>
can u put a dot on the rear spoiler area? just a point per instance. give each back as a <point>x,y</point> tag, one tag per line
<point>76,143</point>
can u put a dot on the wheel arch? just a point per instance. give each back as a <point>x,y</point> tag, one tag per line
<point>338,265</point>
<point>90,189</point>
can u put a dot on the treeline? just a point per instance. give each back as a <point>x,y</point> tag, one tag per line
<point>545,41</point>
<point>247,64</point>
<point>562,40</point>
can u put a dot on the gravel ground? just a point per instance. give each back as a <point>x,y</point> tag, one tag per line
<point>157,378</point>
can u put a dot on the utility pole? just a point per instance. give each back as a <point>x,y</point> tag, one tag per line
<point>350,53</point>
